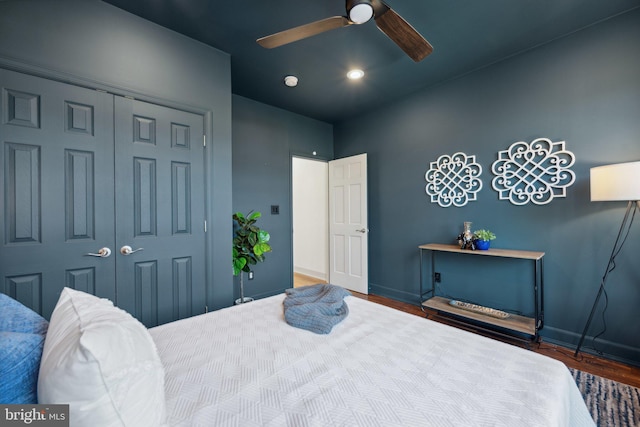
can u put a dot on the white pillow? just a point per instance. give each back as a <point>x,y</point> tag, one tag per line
<point>103,363</point>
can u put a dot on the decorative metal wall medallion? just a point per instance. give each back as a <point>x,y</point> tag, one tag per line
<point>537,172</point>
<point>453,180</point>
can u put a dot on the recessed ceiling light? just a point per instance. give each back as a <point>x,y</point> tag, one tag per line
<point>291,81</point>
<point>355,74</point>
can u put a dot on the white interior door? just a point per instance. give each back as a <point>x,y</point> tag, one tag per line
<point>348,223</point>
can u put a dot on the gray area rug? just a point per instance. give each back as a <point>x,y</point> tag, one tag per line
<point>612,404</point>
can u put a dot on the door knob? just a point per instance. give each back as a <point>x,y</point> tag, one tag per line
<point>102,253</point>
<point>127,250</point>
<point>362,230</point>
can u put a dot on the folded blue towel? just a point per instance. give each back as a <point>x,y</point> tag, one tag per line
<point>316,308</point>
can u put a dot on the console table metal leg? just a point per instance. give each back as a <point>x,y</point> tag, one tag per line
<point>433,274</point>
<point>541,261</point>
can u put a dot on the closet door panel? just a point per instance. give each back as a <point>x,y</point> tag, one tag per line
<point>57,190</point>
<point>159,211</point>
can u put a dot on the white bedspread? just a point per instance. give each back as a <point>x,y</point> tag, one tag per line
<point>244,366</point>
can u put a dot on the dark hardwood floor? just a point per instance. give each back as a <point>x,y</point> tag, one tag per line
<point>600,366</point>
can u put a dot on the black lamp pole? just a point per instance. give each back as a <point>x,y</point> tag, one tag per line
<point>610,266</point>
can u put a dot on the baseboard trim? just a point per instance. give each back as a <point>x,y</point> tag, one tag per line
<point>395,294</point>
<point>607,349</point>
<point>311,273</point>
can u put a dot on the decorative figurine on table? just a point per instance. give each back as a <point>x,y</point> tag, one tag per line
<point>465,239</point>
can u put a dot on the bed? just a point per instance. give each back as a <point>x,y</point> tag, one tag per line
<point>245,366</point>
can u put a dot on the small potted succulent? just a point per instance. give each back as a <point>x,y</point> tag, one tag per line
<point>482,239</point>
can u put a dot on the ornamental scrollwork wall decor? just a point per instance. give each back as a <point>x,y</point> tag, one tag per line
<point>453,180</point>
<point>537,172</point>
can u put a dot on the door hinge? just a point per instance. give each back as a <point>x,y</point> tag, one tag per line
<point>204,140</point>
<point>205,225</point>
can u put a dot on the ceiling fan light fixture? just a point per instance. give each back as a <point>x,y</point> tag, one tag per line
<point>360,11</point>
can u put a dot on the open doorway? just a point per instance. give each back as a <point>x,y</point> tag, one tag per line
<point>310,212</point>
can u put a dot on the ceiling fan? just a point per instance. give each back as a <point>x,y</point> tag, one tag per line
<point>359,12</point>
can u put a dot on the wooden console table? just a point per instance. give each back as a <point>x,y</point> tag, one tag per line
<point>516,323</point>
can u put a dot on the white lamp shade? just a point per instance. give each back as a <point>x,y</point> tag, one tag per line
<point>616,182</point>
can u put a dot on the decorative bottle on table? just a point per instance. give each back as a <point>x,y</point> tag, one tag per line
<point>465,240</point>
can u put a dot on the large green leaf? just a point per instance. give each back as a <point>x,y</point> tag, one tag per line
<point>261,248</point>
<point>253,239</point>
<point>263,236</point>
<point>238,265</point>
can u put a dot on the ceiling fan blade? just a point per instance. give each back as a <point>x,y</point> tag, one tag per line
<point>402,33</point>
<point>303,31</point>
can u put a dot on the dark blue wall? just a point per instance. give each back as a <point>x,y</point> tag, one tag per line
<point>583,89</point>
<point>91,43</point>
<point>264,139</point>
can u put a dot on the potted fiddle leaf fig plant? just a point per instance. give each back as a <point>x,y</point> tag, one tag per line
<point>250,244</point>
<point>482,239</point>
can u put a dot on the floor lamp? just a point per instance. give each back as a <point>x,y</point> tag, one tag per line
<point>618,182</point>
